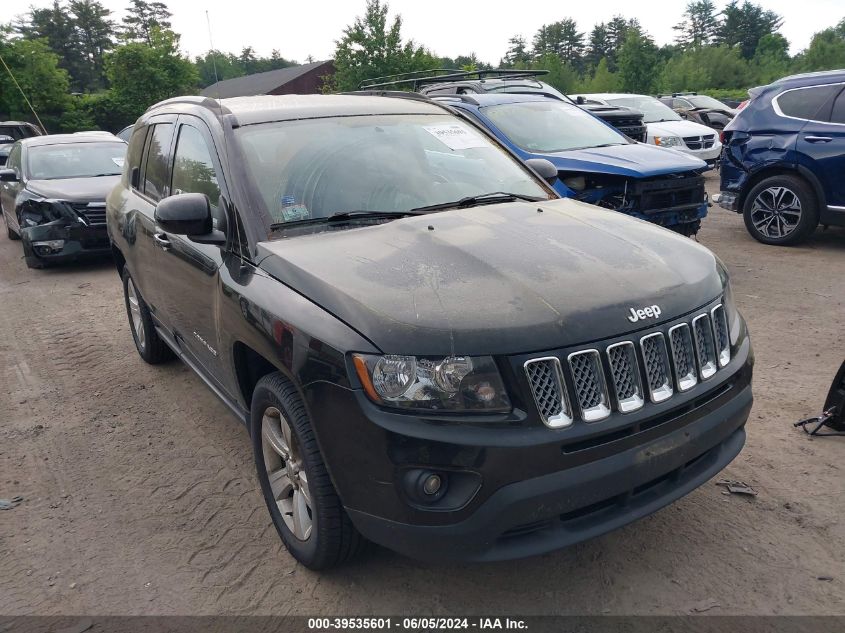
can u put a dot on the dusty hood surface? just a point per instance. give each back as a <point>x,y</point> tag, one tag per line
<point>496,279</point>
<point>75,189</point>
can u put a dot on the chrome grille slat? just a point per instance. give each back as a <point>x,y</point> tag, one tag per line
<point>683,357</point>
<point>656,361</point>
<point>705,347</point>
<point>590,388</point>
<point>545,378</point>
<point>722,334</point>
<point>625,376</point>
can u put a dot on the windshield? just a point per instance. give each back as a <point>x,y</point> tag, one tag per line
<point>316,168</point>
<point>522,86</point>
<point>76,160</point>
<point>551,126</point>
<point>703,101</point>
<point>652,109</point>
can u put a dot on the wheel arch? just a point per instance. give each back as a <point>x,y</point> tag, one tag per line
<point>781,169</point>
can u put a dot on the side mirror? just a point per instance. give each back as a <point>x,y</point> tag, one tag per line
<point>544,168</point>
<point>189,214</point>
<point>8,175</point>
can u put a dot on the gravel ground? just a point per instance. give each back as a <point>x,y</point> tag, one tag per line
<point>140,497</point>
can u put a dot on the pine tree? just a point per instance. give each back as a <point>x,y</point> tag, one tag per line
<point>142,17</point>
<point>699,25</point>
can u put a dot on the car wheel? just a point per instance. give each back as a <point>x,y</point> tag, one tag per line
<point>149,344</point>
<point>302,501</point>
<point>781,210</point>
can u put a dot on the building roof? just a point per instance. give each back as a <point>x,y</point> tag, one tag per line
<point>259,83</point>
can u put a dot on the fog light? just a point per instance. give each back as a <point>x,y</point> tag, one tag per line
<point>432,483</point>
<point>49,247</point>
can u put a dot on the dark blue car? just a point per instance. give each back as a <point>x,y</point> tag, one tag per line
<point>783,164</point>
<point>596,163</point>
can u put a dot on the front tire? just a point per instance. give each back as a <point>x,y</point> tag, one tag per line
<point>781,211</point>
<point>302,501</point>
<point>149,344</point>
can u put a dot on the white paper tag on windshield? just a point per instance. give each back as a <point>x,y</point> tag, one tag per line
<point>118,161</point>
<point>456,136</point>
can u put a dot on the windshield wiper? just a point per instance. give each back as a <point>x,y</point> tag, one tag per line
<point>494,197</point>
<point>342,216</point>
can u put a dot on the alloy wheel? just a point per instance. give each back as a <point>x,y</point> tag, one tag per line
<point>776,212</point>
<point>286,473</point>
<point>135,312</point>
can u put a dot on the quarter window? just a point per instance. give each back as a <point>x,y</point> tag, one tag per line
<point>193,169</point>
<point>155,173</point>
<point>808,103</point>
<point>136,150</point>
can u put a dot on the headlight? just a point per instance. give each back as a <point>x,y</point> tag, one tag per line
<point>667,141</point>
<point>453,383</point>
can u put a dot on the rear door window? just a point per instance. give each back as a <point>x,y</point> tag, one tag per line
<point>156,172</point>
<point>837,115</point>
<point>812,104</point>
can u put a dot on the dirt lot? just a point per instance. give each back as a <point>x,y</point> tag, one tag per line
<point>140,497</point>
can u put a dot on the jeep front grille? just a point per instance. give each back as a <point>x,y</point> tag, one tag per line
<point>658,373</point>
<point>662,363</point>
<point>625,376</point>
<point>723,339</point>
<point>546,380</point>
<point>590,388</point>
<point>705,347</point>
<point>683,357</point>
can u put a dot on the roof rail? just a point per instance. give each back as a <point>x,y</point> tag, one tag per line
<point>446,75</point>
<point>206,102</point>
<point>396,94</point>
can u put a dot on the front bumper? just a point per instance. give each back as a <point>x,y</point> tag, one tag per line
<point>77,241</point>
<point>538,492</point>
<point>709,155</point>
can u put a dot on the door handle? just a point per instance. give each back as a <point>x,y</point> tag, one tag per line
<point>818,139</point>
<point>161,241</point>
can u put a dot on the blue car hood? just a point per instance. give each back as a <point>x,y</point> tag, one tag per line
<point>636,160</point>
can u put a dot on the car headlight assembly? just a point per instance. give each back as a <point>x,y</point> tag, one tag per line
<point>448,384</point>
<point>667,141</point>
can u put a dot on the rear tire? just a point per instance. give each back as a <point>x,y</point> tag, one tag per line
<point>781,211</point>
<point>302,501</point>
<point>149,344</point>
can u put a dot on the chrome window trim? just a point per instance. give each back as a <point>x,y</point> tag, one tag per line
<point>601,411</point>
<point>635,402</point>
<point>666,391</point>
<point>780,113</point>
<point>690,380</point>
<point>565,417</point>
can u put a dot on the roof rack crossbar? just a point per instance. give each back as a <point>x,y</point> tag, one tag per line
<point>423,77</point>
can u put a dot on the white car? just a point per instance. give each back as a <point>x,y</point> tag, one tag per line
<point>666,128</point>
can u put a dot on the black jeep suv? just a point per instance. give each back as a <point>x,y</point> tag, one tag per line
<point>429,348</point>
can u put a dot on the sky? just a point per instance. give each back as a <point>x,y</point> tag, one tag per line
<point>448,28</point>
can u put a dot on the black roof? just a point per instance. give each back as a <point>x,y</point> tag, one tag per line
<point>259,83</point>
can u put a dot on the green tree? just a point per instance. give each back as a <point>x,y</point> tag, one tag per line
<point>40,77</point>
<point>142,74</point>
<point>617,30</point>
<point>597,46</point>
<point>142,18</point>
<point>706,68</point>
<point>826,50</point>
<point>94,28</point>
<point>743,25</point>
<point>637,63</point>
<point>559,38</point>
<point>771,59</point>
<point>517,53</point>
<point>55,26</point>
<point>699,25</point>
<point>602,80</point>
<point>370,48</point>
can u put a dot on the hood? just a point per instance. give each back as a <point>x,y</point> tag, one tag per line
<point>636,160</point>
<point>499,279</point>
<point>74,189</point>
<point>679,128</point>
